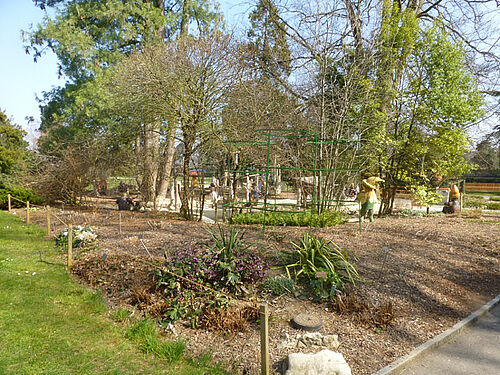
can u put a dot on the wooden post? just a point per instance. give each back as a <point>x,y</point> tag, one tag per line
<point>27,212</point>
<point>120,220</point>
<point>70,246</point>
<point>264,340</point>
<point>8,202</point>
<point>216,208</point>
<point>462,195</point>
<point>47,208</point>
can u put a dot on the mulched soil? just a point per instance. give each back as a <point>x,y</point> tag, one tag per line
<point>433,271</point>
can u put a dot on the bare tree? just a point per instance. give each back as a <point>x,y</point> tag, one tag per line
<point>182,86</point>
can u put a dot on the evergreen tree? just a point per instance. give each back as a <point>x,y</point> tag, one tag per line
<point>12,146</point>
<point>268,46</point>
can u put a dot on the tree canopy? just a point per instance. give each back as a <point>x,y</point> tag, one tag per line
<point>12,146</point>
<point>402,79</point>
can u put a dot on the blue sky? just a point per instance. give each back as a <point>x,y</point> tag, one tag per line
<point>21,79</point>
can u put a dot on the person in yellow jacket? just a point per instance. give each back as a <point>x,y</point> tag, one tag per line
<point>368,197</point>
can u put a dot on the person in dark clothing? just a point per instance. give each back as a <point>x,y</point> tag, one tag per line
<point>125,204</point>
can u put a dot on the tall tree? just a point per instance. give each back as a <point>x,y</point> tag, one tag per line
<point>183,83</point>
<point>91,38</point>
<point>427,141</point>
<point>12,146</point>
<point>268,47</point>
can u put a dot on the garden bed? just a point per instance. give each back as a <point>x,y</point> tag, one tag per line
<point>432,270</point>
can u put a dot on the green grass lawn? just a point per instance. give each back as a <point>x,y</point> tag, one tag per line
<point>49,324</point>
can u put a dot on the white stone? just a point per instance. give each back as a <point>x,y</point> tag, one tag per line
<point>331,341</point>
<point>312,338</point>
<point>324,362</point>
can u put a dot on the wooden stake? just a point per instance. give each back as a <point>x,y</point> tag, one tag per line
<point>8,202</point>
<point>264,340</point>
<point>120,221</point>
<point>70,246</point>
<point>47,208</point>
<point>27,212</point>
<point>216,208</point>
<point>462,195</point>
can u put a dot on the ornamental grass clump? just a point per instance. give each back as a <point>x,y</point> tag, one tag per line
<point>83,236</point>
<point>323,264</point>
<point>193,279</point>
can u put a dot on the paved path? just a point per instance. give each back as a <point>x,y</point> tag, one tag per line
<point>475,351</point>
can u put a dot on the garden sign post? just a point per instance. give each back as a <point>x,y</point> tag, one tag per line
<point>8,202</point>
<point>27,212</point>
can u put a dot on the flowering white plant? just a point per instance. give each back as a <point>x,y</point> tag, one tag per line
<point>82,236</point>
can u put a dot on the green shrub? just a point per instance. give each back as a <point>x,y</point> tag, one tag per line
<point>492,205</point>
<point>18,193</point>
<point>482,204</point>
<point>279,285</point>
<point>497,199</point>
<point>325,265</point>
<point>228,265</point>
<point>299,219</point>
<point>474,196</point>
<point>474,203</point>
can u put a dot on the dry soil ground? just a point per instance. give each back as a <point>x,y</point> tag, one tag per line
<point>432,270</point>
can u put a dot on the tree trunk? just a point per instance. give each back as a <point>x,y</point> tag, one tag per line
<point>151,143</point>
<point>186,209</point>
<point>167,166</point>
<point>185,18</point>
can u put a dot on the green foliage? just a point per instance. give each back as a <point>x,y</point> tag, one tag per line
<point>19,193</point>
<point>475,203</point>
<point>486,155</point>
<point>422,138</point>
<point>227,266</point>
<point>120,315</point>
<point>87,35</point>
<point>12,146</point>
<point>450,88</point>
<point>89,39</point>
<point>302,219</point>
<point>145,334</point>
<point>325,265</point>
<point>279,285</point>
<point>268,46</point>
<point>226,245</point>
<point>425,195</point>
<point>475,196</point>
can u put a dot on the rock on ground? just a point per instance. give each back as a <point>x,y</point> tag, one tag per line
<point>324,362</point>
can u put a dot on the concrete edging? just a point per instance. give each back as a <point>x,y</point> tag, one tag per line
<point>438,340</point>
